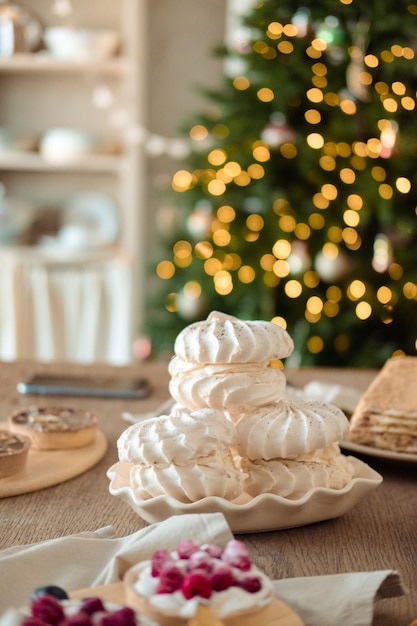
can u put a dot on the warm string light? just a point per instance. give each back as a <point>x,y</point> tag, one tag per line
<point>289,260</point>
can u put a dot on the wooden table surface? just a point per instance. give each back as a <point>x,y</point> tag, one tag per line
<point>379,533</point>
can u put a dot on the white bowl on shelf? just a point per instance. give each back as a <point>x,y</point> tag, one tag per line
<point>64,145</point>
<point>81,43</point>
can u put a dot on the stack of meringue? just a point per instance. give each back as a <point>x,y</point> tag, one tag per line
<point>285,446</point>
<point>232,428</point>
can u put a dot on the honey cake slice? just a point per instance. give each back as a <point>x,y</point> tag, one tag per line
<point>386,415</point>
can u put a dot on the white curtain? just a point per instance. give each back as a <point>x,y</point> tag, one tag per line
<point>66,310</point>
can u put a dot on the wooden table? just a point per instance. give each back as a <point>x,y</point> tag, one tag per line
<point>378,534</point>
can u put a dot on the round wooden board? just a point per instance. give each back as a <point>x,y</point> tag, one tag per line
<point>279,614</point>
<point>46,468</point>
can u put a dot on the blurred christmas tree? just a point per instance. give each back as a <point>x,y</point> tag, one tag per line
<point>298,200</point>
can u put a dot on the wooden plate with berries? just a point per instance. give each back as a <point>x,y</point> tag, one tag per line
<point>278,613</point>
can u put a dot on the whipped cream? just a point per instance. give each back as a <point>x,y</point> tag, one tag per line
<point>213,475</point>
<point>221,604</point>
<point>179,437</point>
<point>294,478</point>
<point>222,338</point>
<point>231,388</point>
<point>289,428</point>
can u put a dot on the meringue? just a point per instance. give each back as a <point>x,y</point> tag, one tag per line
<point>213,475</point>
<point>176,438</point>
<point>185,455</point>
<point>294,478</point>
<point>289,428</point>
<point>232,429</point>
<point>235,388</point>
<point>222,338</point>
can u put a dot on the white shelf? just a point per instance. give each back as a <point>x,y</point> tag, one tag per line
<point>32,162</point>
<point>39,63</point>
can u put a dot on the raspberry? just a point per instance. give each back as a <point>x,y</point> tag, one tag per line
<point>197,584</point>
<point>170,579</point>
<point>158,559</point>
<point>186,548</point>
<point>236,553</point>
<point>212,550</point>
<point>122,617</point>
<point>92,605</point>
<point>251,584</point>
<point>200,560</point>
<point>48,609</point>
<point>222,578</point>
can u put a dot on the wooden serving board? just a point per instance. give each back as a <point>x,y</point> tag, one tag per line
<point>46,468</point>
<point>279,613</point>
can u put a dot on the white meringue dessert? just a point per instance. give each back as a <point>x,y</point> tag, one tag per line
<point>289,428</point>
<point>185,455</point>
<point>178,437</point>
<point>212,475</point>
<point>235,388</point>
<point>222,338</point>
<point>294,478</point>
<point>233,436</point>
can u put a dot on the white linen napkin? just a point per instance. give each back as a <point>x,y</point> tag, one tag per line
<point>100,557</point>
<point>346,398</point>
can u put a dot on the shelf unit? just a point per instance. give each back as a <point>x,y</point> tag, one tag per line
<point>39,92</point>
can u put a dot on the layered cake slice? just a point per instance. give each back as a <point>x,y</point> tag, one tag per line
<point>386,415</point>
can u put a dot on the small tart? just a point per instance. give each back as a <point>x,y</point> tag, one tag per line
<point>49,609</point>
<point>253,616</point>
<point>13,453</point>
<point>55,428</point>
<point>174,588</point>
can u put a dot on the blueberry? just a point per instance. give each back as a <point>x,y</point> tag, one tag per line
<point>51,590</point>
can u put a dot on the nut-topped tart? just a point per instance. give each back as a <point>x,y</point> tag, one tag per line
<point>14,450</point>
<point>55,428</point>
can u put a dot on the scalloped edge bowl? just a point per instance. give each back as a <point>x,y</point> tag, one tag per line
<point>265,512</point>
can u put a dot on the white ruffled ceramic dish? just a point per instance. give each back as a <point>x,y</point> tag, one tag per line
<point>266,512</point>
